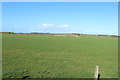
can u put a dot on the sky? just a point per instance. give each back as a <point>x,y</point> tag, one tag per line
<point>60,0</point>
<point>60,17</point>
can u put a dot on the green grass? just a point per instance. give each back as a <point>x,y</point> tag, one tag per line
<point>44,56</point>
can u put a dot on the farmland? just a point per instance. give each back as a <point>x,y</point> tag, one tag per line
<point>48,56</point>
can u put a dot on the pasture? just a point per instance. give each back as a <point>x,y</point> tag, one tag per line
<point>47,56</point>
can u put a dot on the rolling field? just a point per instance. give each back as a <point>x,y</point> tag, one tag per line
<point>45,56</point>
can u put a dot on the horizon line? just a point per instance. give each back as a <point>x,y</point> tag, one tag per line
<point>58,33</point>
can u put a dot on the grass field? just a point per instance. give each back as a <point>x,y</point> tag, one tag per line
<point>45,56</point>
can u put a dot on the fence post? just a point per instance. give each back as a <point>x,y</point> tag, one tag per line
<point>96,74</point>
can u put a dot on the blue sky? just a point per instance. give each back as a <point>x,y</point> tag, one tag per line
<point>60,17</point>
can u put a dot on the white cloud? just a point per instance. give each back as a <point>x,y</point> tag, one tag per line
<point>48,26</point>
<point>64,26</point>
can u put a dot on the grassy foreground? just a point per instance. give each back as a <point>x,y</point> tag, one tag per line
<point>43,56</point>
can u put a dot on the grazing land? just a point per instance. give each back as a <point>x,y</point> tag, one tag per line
<point>48,56</point>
